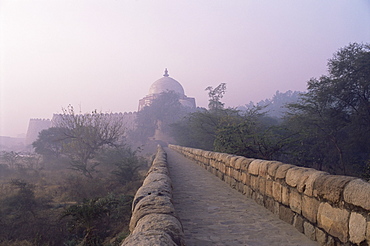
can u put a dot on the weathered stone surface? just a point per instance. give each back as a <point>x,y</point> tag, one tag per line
<point>309,230</point>
<point>269,187</point>
<point>282,170</point>
<point>295,201</point>
<point>368,232</point>
<point>262,185</point>
<point>161,222</point>
<point>245,163</point>
<point>330,187</point>
<point>254,182</point>
<point>285,195</point>
<point>357,228</point>
<point>156,177</point>
<point>263,168</point>
<point>149,238</point>
<point>298,223</point>
<point>233,162</point>
<point>158,169</point>
<point>276,191</point>
<point>159,188</point>
<point>151,205</point>
<point>310,207</point>
<point>272,168</point>
<point>357,192</point>
<point>254,167</point>
<point>286,214</point>
<point>294,175</point>
<point>320,236</point>
<point>309,182</point>
<point>333,220</point>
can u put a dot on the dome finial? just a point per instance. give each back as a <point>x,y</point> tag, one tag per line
<point>166,73</point>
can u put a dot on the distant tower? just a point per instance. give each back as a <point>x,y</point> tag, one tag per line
<point>165,84</point>
<point>35,126</point>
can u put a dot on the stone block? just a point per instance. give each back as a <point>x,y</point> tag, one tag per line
<point>310,207</point>
<point>245,163</point>
<point>151,205</point>
<point>262,185</point>
<point>298,223</point>
<point>254,182</point>
<point>233,161</point>
<point>149,238</point>
<point>293,175</point>
<point>153,178</point>
<point>286,214</point>
<point>269,203</point>
<point>220,175</point>
<point>309,230</point>
<point>247,191</point>
<point>282,170</point>
<point>368,232</point>
<point>259,199</point>
<point>357,228</point>
<point>320,236</point>
<point>263,168</point>
<point>330,187</point>
<point>272,168</point>
<point>334,221</point>
<point>285,195</point>
<point>233,183</point>
<point>308,185</point>
<point>276,191</point>
<point>236,174</point>
<point>295,201</point>
<point>244,177</point>
<point>269,183</point>
<point>254,167</point>
<point>357,192</point>
<point>161,222</point>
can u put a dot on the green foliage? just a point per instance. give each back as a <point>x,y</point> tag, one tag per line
<point>215,96</point>
<point>333,117</point>
<point>165,110</point>
<point>199,129</point>
<point>79,137</point>
<point>92,217</point>
<point>50,142</point>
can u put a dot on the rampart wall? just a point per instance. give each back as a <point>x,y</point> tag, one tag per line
<point>154,220</point>
<point>331,209</point>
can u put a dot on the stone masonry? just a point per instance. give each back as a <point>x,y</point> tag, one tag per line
<point>331,209</point>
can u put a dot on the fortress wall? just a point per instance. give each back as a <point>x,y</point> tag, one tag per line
<point>35,126</point>
<point>153,220</point>
<point>331,209</point>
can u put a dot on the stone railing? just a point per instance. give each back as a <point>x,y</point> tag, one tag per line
<point>331,209</point>
<point>153,220</point>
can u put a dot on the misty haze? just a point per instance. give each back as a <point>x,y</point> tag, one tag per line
<point>112,112</point>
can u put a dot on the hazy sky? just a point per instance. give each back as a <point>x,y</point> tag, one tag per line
<point>105,54</point>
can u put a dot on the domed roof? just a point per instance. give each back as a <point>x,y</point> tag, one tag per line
<point>166,84</point>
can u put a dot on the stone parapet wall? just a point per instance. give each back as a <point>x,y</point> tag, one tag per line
<point>154,220</point>
<point>331,209</point>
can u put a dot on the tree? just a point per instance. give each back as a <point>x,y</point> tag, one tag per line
<point>50,142</point>
<point>165,110</point>
<point>85,134</point>
<point>215,96</point>
<point>93,217</point>
<point>333,117</point>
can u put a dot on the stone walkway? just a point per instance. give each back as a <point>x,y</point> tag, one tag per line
<point>212,213</point>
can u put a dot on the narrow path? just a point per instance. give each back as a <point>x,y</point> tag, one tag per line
<point>213,213</point>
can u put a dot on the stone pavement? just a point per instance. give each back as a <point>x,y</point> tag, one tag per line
<point>212,213</point>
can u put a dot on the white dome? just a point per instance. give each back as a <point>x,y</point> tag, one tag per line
<point>166,84</point>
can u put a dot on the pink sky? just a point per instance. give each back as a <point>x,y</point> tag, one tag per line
<point>104,55</point>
